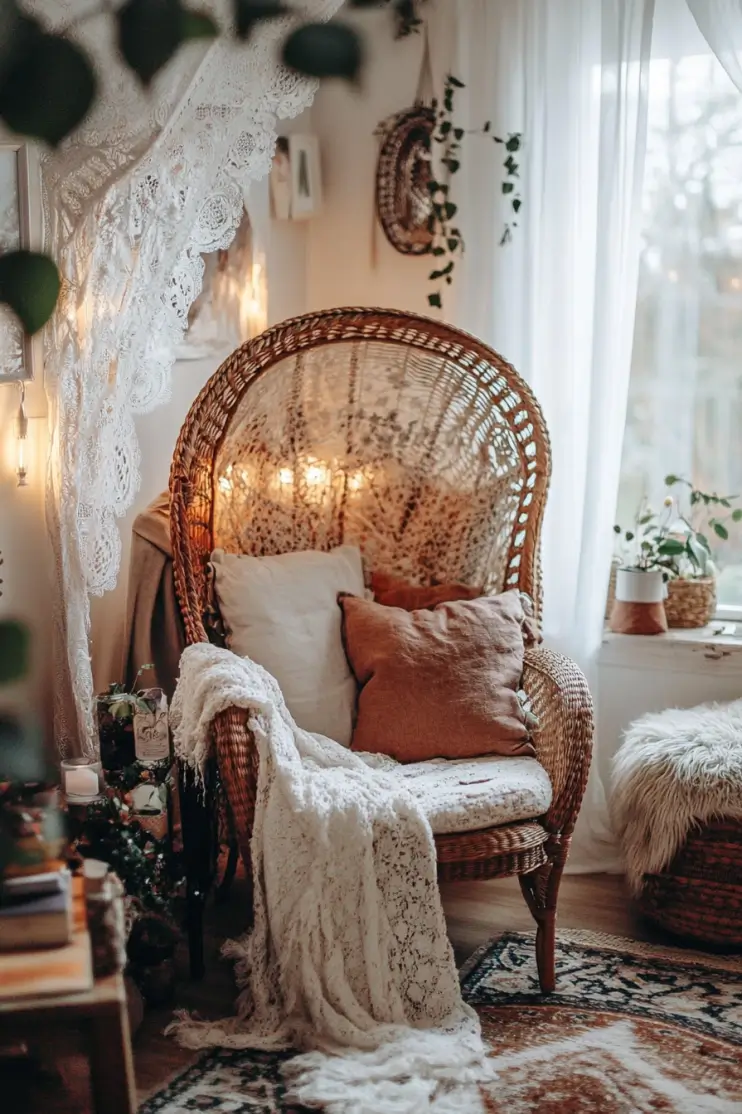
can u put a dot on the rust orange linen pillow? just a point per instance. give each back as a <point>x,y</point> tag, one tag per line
<point>437,684</point>
<point>393,591</point>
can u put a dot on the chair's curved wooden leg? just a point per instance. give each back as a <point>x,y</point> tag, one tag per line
<point>546,953</point>
<point>541,891</point>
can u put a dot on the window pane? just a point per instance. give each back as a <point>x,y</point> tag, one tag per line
<point>685,399</point>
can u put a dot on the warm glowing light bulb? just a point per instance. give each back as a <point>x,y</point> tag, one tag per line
<point>315,474</point>
<point>225,484</point>
<point>22,432</point>
<point>355,482</point>
<point>21,463</point>
<point>285,476</point>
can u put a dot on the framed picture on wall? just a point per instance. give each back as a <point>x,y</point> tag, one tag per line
<point>306,183</point>
<point>17,356</point>
<point>280,180</point>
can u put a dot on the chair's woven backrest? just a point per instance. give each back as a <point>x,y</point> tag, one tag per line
<point>384,429</point>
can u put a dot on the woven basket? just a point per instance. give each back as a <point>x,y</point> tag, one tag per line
<point>690,603</point>
<point>404,203</point>
<point>699,896</point>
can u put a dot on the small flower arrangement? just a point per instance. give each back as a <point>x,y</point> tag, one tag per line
<point>116,709</point>
<point>676,539</point>
<point>122,704</point>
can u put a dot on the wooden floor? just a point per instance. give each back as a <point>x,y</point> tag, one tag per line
<point>476,911</point>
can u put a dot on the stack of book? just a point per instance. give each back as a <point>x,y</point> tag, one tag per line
<point>36,911</point>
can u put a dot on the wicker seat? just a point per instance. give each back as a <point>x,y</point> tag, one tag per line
<point>424,447</point>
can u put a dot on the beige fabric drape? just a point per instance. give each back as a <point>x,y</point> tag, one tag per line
<point>154,629</point>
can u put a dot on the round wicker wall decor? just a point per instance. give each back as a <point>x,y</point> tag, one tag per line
<point>403,200</point>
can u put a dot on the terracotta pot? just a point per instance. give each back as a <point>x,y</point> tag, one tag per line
<point>639,606</point>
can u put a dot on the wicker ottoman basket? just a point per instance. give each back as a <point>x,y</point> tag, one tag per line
<point>699,895</point>
<point>676,809</point>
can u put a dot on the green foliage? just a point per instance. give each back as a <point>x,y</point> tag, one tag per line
<point>127,777</point>
<point>249,13</point>
<point>149,33</point>
<point>147,867</point>
<point>197,25</point>
<point>675,539</point>
<point>324,50</point>
<point>123,704</point>
<point>14,651</point>
<point>406,14</point>
<point>448,239</point>
<point>48,84</point>
<point>29,284</point>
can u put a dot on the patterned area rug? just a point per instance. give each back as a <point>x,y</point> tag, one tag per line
<point>633,1028</point>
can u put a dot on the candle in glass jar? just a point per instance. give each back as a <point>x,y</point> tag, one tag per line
<point>81,782</point>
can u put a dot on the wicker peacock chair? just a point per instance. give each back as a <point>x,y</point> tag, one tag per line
<point>424,447</point>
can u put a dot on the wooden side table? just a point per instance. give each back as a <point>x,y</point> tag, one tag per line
<point>34,1004</point>
<point>101,1014</point>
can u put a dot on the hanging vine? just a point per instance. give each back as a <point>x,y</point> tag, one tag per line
<point>448,242</point>
<point>407,17</point>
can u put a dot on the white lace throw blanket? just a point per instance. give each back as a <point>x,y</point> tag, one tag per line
<point>349,959</point>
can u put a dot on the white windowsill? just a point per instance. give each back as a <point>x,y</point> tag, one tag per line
<point>717,648</point>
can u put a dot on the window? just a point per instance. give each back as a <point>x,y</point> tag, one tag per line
<point>685,398</point>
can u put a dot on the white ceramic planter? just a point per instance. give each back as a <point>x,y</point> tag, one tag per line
<point>640,586</point>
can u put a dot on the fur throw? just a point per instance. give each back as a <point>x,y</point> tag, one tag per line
<point>348,960</point>
<point>674,770</point>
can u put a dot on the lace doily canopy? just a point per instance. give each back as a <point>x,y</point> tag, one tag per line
<point>150,182</point>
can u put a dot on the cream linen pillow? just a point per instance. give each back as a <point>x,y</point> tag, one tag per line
<point>282,612</point>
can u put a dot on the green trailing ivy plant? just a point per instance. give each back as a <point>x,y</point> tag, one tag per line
<point>448,242</point>
<point>49,84</point>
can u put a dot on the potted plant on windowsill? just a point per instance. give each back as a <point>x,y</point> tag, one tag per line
<point>640,589</point>
<point>675,541</point>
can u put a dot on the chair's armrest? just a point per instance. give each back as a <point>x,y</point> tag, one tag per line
<point>237,759</point>
<point>563,738</point>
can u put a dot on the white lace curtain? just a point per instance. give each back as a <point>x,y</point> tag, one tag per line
<point>131,202</point>
<point>559,300</point>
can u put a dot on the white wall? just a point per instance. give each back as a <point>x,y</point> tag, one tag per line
<point>343,269</point>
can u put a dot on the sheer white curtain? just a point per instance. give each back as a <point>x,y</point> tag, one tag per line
<point>559,300</point>
<point>720,23</point>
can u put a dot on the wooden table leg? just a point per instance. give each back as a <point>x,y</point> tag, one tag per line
<point>111,1065</point>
